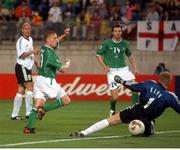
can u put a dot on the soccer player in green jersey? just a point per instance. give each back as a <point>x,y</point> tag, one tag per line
<point>45,83</point>
<point>112,55</point>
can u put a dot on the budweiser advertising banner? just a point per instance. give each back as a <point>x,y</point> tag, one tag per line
<point>158,35</point>
<point>78,87</point>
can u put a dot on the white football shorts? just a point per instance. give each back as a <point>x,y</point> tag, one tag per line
<point>124,73</point>
<point>45,87</point>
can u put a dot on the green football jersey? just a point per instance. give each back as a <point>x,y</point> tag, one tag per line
<point>50,62</point>
<point>114,53</point>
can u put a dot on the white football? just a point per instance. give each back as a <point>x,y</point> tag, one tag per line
<point>136,127</point>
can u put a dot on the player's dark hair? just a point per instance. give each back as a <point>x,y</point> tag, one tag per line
<point>116,26</point>
<point>48,33</point>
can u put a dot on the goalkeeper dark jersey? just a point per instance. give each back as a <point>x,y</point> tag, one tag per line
<point>154,98</point>
<point>50,62</point>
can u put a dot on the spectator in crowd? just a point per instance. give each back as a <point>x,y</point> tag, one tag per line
<point>11,21</point>
<point>115,19</point>
<point>104,11</point>
<point>2,25</point>
<point>177,14</point>
<point>54,18</point>
<point>37,23</point>
<point>171,8</point>
<point>55,13</point>
<point>34,4</point>
<point>132,6</point>
<point>51,2</point>
<point>95,24</point>
<point>163,4</point>
<point>70,21</point>
<point>153,14</point>
<point>82,24</point>
<point>7,4</point>
<point>83,4</point>
<point>23,10</point>
<point>105,29</point>
<point>44,9</point>
<point>94,7</point>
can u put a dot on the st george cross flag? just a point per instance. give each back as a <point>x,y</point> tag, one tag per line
<point>158,35</point>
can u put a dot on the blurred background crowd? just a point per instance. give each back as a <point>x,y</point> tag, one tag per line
<point>88,19</point>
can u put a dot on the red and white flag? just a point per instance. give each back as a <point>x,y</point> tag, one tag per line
<point>158,35</point>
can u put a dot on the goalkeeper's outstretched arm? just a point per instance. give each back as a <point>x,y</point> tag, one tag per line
<point>134,86</point>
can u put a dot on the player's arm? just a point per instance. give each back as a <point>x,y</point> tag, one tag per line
<point>66,33</point>
<point>131,58</point>
<point>66,66</point>
<point>101,62</point>
<point>37,63</point>
<point>133,64</point>
<point>175,102</point>
<point>134,86</point>
<point>26,54</point>
<point>99,56</point>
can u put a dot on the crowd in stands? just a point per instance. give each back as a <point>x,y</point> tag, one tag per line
<point>88,19</point>
<point>164,10</point>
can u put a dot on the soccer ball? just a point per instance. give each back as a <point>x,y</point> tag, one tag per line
<point>136,127</point>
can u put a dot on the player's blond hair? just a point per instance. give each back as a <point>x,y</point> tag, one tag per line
<point>165,78</point>
<point>48,34</point>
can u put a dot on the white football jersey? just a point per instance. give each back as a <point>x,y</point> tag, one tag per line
<point>24,45</point>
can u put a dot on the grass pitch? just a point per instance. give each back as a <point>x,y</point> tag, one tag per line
<point>53,131</point>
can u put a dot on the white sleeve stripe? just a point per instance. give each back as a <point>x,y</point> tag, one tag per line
<point>176,98</point>
<point>20,41</point>
<point>24,73</point>
<point>20,48</point>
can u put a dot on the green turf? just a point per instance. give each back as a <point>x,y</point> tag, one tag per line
<point>57,125</point>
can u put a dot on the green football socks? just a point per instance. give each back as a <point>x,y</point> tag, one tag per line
<point>135,97</point>
<point>113,105</point>
<point>54,104</point>
<point>32,118</point>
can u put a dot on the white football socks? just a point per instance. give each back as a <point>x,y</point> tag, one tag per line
<point>29,102</point>
<point>96,127</point>
<point>17,105</point>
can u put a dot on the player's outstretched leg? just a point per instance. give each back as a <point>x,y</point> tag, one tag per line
<point>77,134</point>
<point>32,118</point>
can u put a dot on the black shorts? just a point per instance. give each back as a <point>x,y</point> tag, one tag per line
<point>23,74</point>
<point>136,112</point>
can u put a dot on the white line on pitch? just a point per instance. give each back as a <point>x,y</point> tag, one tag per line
<point>77,139</point>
